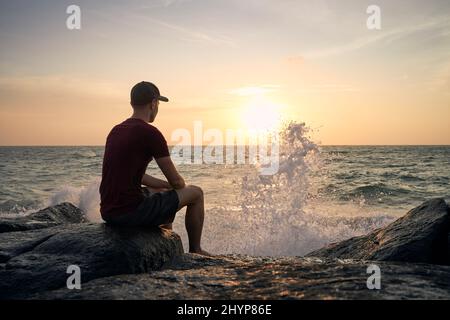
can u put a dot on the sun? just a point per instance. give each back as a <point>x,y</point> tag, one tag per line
<point>261,114</point>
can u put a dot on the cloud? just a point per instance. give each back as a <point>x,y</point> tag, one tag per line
<point>194,35</point>
<point>60,85</point>
<point>168,3</point>
<point>386,37</point>
<point>136,18</point>
<point>297,60</point>
<point>440,79</point>
<point>163,4</point>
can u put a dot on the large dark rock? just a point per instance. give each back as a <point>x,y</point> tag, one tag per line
<point>15,243</point>
<point>419,236</point>
<point>37,260</point>
<point>60,214</point>
<point>130,263</point>
<point>244,277</point>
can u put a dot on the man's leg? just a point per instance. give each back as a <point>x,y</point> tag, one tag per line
<point>192,197</point>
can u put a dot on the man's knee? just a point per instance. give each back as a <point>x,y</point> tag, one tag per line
<point>197,190</point>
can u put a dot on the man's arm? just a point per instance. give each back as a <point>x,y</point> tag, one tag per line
<point>167,167</point>
<point>155,183</point>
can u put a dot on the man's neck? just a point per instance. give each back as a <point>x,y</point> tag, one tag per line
<point>139,115</point>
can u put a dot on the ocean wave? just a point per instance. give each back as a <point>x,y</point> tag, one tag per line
<point>284,232</point>
<point>86,198</point>
<point>410,178</point>
<point>279,215</point>
<point>84,154</point>
<point>313,200</point>
<point>399,165</point>
<point>374,191</point>
<point>16,207</point>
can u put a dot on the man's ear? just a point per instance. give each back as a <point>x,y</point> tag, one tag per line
<point>154,103</point>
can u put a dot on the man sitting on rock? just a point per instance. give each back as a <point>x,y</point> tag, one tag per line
<point>130,147</point>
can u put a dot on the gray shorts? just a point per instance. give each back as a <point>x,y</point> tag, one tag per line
<point>156,209</point>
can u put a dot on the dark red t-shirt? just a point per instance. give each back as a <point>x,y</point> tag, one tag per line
<point>130,147</point>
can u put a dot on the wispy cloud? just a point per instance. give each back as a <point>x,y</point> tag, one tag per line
<point>296,60</point>
<point>440,79</point>
<point>137,18</point>
<point>168,3</point>
<point>442,23</point>
<point>163,4</point>
<point>189,34</point>
<point>61,85</point>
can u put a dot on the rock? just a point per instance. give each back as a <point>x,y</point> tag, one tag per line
<point>244,277</point>
<point>419,236</point>
<point>131,263</point>
<point>15,243</point>
<point>48,217</point>
<point>37,260</point>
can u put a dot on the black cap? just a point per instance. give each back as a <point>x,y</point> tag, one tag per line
<point>145,92</point>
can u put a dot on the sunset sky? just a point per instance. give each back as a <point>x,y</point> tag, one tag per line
<point>228,63</point>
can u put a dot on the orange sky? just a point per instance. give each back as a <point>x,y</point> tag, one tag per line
<point>318,64</point>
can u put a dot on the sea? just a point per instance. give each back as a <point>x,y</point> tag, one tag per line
<point>321,194</point>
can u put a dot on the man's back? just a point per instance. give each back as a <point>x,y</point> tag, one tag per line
<point>130,146</point>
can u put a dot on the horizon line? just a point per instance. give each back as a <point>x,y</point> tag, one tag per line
<point>319,145</point>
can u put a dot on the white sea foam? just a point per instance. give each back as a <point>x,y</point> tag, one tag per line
<point>86,198</point>
<point>282,214</point>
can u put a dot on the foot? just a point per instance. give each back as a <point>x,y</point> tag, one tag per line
<point>201,252</point>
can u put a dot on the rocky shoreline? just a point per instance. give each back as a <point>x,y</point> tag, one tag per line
<point>412,253</point>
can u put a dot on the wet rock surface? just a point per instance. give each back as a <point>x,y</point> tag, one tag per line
<point>130,263</point>
<point>419,236</point>
<point>37,260</point>
<point>63,213</point>
<point>15,243</point>
<point>244,277</point>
